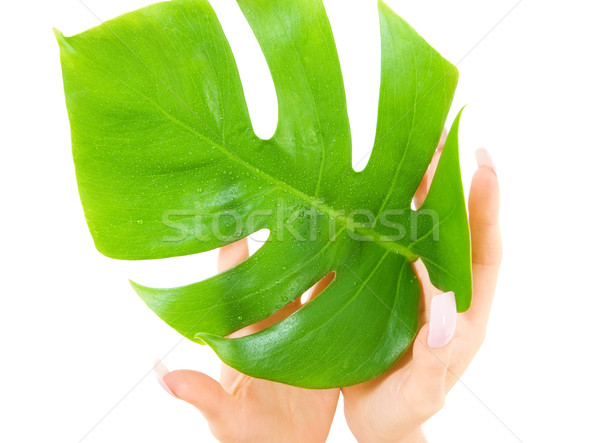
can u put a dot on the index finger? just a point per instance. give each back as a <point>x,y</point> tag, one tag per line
<point>486,243</point>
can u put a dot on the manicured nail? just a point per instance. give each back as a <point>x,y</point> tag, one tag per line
<point>484,158</point>
<point>160,370</point>
<point>442,320</point>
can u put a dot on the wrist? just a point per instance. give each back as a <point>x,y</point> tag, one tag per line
<point>415,436</point>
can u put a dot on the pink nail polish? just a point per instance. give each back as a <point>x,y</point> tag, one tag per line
<point>442,320</point>
<point>484,158</point>
<point>160,370</point>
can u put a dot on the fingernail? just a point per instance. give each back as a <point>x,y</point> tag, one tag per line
<point>484,158</point>
<point>160,370</point>
<point>442,320</point>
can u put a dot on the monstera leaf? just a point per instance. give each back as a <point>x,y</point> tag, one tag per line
<point>167,164</point>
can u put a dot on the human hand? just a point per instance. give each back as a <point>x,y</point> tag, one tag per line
<point>393,406</point>
<point>245,409</point>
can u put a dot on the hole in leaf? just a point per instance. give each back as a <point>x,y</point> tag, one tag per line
<point>360,60</point>
<point>317,288</point>
<point>304,298</point>
<point>421,194</point>
<point>288,309</point>
<point>257,239</point>
<point>180,271</point>
<point>257,82</point>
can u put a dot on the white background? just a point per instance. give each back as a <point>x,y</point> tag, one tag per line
<point>77,343</point>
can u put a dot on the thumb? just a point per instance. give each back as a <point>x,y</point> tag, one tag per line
<point>198,389</point>
<point>425,387</point>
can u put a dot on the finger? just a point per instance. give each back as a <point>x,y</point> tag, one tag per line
<point>484,207</point>
<point>425,387</point>
<point>232,254</point>
<point>200,391</point>
<point>428,290</point>
<point>428,177</point>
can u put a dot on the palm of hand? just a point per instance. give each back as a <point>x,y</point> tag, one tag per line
<point>414,388</point>
<point>246,409</point>
<point>389,408</point>
<point>267,411</point>
<point>393,406</point>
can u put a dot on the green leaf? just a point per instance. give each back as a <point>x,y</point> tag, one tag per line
<point>167,164</point>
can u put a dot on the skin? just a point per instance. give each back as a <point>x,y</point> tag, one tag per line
<point>390,408</point>
<point>246,409</point>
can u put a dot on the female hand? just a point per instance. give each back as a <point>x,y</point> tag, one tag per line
<point>245,409</point>
<point>393,406</point>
